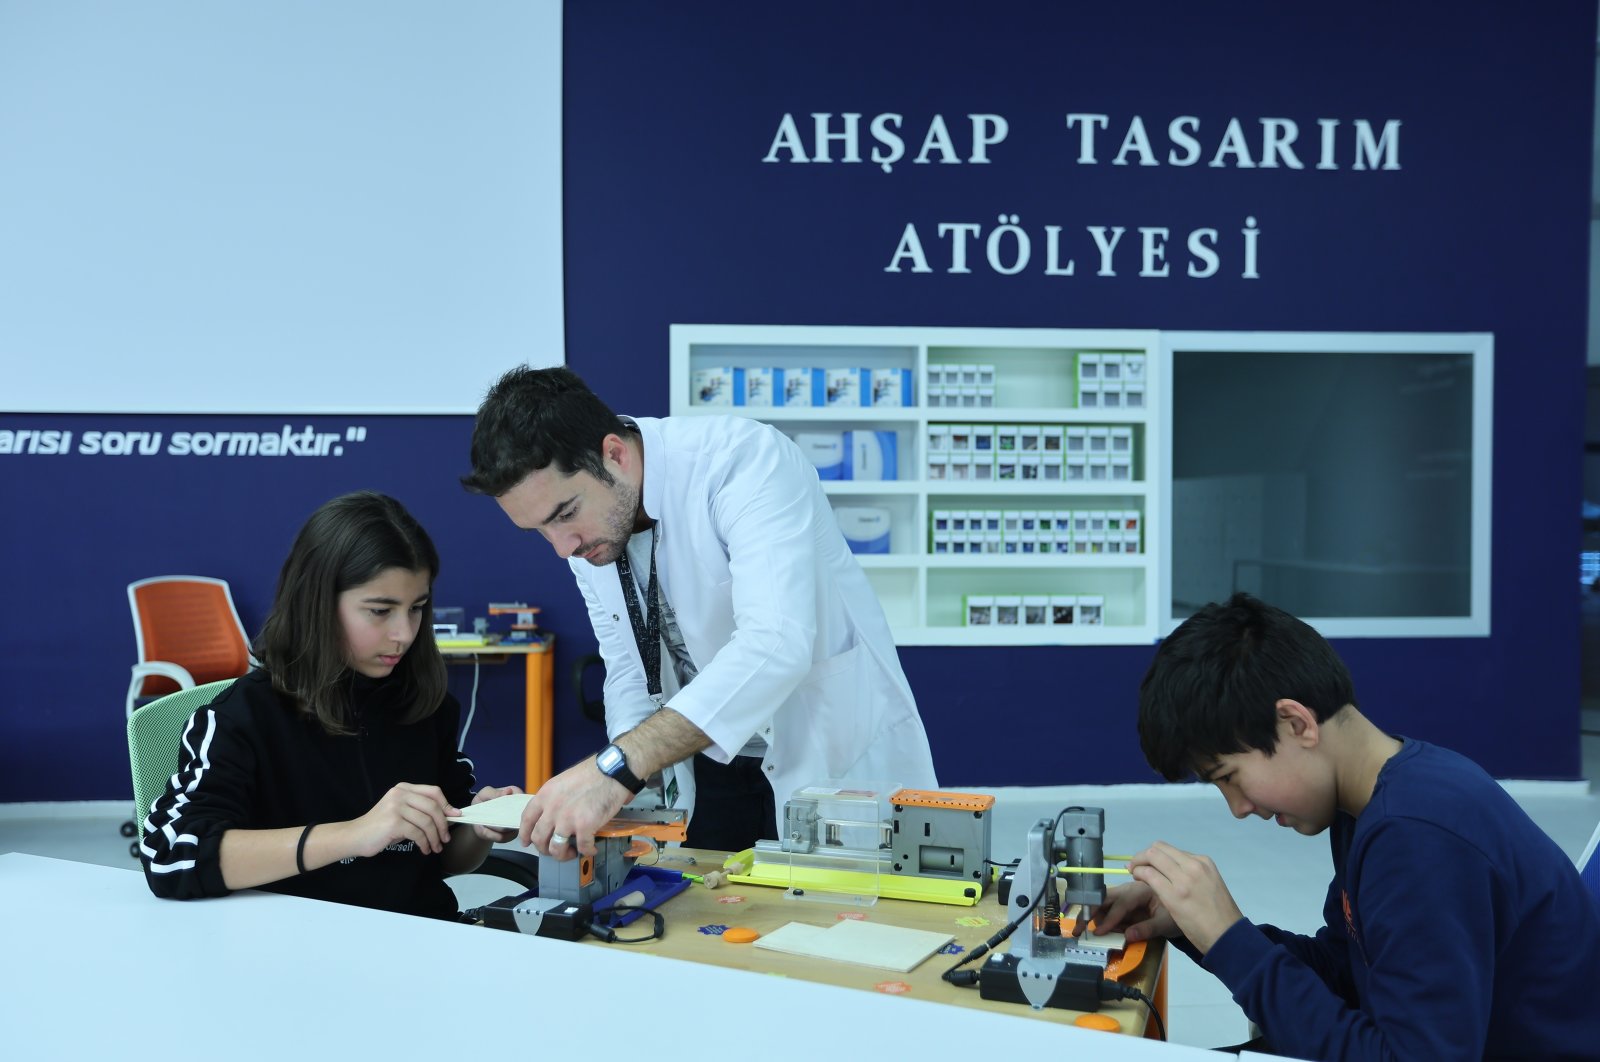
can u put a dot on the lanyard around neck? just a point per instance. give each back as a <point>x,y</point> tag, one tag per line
<point>647,628</point>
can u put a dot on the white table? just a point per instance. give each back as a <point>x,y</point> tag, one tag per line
<point>95,967</point>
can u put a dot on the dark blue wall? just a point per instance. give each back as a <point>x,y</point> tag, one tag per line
<point>671,216</point>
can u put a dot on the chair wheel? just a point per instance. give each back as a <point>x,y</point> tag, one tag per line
<point>129,829</point>
<point>133,849</point>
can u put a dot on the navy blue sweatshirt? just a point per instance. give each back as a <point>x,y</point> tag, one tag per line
<point>250,761</point>
<point>1455,929</point>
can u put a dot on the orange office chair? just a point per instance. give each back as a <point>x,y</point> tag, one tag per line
<point>189,635</point>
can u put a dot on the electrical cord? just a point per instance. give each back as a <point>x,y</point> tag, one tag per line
<point>609,935</point>
<point>472,705</point>
<point>1111,990</point>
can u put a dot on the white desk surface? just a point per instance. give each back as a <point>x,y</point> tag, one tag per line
<point>94,967</point>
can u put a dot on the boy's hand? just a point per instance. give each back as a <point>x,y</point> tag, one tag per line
<point>1191,890</point>
<point>1135,910</point>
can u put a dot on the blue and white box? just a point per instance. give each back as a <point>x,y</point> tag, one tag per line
<point>871,455</point>
<point>892,387</point>
<point>760,386</point>
<point>717,387</point>
<point>825,450</point>
<point>865,527</point>
<point>801,387</point>
<point>845,387</point>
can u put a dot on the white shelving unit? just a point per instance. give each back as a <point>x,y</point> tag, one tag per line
<point>924,593</point>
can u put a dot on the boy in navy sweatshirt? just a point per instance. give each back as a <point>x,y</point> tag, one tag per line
<point>1455,928</point>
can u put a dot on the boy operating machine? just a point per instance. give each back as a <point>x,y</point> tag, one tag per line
<point>1454,927</point>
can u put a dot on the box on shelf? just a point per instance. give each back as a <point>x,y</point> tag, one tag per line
<point>845,387</point>
<point>717,387</point>
<point>825,450</point>
<point>801,387</point>
<point>1091,610</point>
<point>1007,610</point>
<point>760,387</point>
<point>1035,610</point>
<point>979,610</point>
<point>871,455</point>
<point>892,387</point>
<point>865,528</point>
<point>1063,609</point>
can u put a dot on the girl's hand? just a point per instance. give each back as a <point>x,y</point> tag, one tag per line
<point>489,792</point>
<point>408,812</point>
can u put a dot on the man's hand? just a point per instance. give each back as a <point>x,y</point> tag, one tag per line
<point>570,807</point>
<point>1135,910</point>
<point>1190,889</point>
<point>489,833</point>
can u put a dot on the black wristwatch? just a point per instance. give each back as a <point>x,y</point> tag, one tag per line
<point>613,764</point>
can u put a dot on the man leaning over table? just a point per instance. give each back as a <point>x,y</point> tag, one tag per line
<point>706,546</point>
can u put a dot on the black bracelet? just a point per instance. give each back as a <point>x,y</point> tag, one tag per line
<point>300,849</point>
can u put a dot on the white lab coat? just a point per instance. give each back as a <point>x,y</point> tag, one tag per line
<point>788,636</point>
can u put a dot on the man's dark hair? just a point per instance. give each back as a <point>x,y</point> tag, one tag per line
<point>535,418</point>
<point>346,543</point>
<point>1216,680</point>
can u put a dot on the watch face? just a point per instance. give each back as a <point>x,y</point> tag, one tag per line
<point>610,759</point>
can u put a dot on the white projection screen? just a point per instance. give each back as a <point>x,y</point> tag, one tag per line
<point>285,207</point>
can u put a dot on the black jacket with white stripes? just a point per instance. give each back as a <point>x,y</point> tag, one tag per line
<point>250,761</point>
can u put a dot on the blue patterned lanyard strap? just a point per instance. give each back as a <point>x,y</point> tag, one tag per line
<point>646,629</point>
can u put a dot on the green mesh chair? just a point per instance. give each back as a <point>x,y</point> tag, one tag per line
<point>153,733</point>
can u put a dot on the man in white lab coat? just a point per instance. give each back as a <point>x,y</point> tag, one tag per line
<point>710,561</point>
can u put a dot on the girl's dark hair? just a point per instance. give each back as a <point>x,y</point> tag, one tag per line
<point>1215,683</point>
<point>535,418</point>
<point>347,542</point>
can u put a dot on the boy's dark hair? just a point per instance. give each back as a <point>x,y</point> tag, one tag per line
<point>535,418</point>
<point>1216,680</point>
<point>347,542</point>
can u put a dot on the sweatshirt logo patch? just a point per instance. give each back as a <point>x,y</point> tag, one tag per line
<point>1350,925</point>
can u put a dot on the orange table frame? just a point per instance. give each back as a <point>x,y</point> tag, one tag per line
<point>538,697</point>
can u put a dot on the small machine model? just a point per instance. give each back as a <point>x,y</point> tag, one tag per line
<point>573,892</point>
<point>1044,966</point>
<point>909,844</point>
<point>617,844</point>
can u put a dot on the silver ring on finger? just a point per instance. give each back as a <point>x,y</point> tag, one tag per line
<point>557,841</point>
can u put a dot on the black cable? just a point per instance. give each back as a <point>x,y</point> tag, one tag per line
<point>1111,990</point>
<point>609,934</point>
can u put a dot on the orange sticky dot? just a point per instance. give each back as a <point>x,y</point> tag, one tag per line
<point>1103,1022</point>
<point>739,935</point>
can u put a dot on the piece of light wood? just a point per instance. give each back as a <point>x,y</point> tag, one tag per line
<point>863,943</point>
<point>502,812</point>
